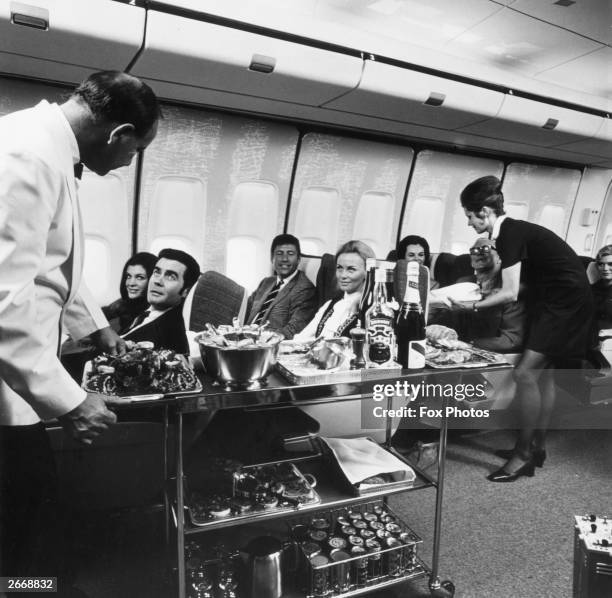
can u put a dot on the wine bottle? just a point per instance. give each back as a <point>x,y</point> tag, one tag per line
<point>380,337</point>
<point>410,324</point>
<point>367,297</point>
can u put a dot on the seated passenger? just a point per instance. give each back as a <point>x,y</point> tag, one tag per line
<point>162,323</point>
<point>287,300</point>
<point>602,289</point>
<point>133,290</point>
<point>338,316</point>
<point>501,328</point>
<point>416,249</point>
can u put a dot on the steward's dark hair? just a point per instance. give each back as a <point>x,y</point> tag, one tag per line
<point>146,260</point>
<point>485,191</point>
<point>285,239</point>
<point>413,240</point>
<point>118,97</point>
<point>192,272</point>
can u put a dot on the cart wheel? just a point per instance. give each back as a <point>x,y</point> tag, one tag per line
<point>446,590</point>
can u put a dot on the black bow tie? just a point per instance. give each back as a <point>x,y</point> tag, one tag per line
<point>78,170</point>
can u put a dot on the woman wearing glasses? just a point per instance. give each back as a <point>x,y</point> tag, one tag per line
<point>559,305</point>
<point>602,289</point>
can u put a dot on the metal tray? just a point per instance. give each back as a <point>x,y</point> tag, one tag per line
<point>207,508</point>
<point>292,368</point>
<point>105,384</point>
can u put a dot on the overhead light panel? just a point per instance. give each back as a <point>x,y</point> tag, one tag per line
<point>564,3</point>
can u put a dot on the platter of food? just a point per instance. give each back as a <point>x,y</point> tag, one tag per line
<point>141,373</point>
<point>443,350</point>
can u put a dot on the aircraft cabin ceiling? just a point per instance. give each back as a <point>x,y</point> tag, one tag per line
<point>527,77</point>
<point>515,43</point>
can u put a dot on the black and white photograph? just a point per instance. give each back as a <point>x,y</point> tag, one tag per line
<point>306,298</point>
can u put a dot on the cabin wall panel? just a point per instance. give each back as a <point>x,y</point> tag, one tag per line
<point>588,211</point>
<point>549,193</point>
<point>223,152</point>
<point>350,169</point>
<point>437,180</point>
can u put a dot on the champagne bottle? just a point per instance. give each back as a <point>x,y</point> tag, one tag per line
<point>380,337</point>
<point>410,324</point>
<point>367,297</point>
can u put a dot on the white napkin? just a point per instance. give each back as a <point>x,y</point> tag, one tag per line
<point>462,291</point>
<point>361,458</point>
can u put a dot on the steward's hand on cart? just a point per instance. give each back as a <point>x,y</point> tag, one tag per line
<point>89,419</point>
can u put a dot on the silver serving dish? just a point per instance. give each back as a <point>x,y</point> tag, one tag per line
<point>243,367</point>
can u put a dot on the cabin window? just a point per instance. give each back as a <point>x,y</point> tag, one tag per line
<point>107,225</point>
<point>520,211</point>
<point>317,220</point>
<point>242,260</point>
<point>374,220</point>
<point>426,214</point>
<point>548,192</point>
<point>433,210</point>
<point>177,214</point>
<point>97,269</point>
<point>553,217</point>
<point>250,231</point>
<point>348,188</point>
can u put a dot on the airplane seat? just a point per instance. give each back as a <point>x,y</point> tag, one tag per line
<point>592,271</point>
<point>122,468</point>
<point>310,264</point>
<point>447,268</point>
<point>326,285</point>
<point>214,299</point>
<point>392,256</point>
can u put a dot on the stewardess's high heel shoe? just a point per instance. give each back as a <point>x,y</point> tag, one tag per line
<point>501,475</point>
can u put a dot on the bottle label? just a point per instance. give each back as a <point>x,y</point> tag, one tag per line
<point>381,340</point>
<point>416,354</point>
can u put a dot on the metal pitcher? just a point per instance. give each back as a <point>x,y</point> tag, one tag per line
<point>263,560</point>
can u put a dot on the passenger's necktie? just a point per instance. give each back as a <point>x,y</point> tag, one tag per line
<point>139,319</point>
<point>78,170</point>
<point>266,304</point>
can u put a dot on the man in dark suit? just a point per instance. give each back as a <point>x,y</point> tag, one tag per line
<point>288,299</point>
<point>162,324</point>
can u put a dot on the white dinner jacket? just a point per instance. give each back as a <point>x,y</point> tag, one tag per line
<point>41,260</point>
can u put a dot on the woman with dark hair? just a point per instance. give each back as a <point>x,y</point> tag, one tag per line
<point>414,249</point>
<point>133,291</point>
<point>338,316</point>
<point>559,308</point>
<point>602,289</point>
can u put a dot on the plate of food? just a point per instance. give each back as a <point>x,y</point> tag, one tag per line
<point>142,370</point>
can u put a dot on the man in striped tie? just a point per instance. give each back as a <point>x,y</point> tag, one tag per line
<point>287,300</point>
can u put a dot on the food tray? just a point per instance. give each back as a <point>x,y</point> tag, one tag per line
<point>281,487</point>
<point>105,384</point>
<point>293,368</point>
<point>479,359</point>
<point>328,566</point>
